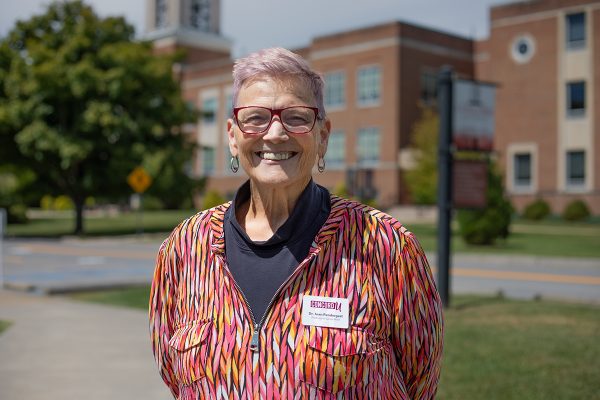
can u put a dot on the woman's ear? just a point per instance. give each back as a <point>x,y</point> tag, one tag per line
<point>324,137</point>
<point>233,149</point>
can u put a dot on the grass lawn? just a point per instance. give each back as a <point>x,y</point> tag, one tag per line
<point>136,297</point>
<point>552,239</point>
<point>506,349</point>
<point>496,348</point>
<point>545,238</point>
<point>4,325</point>
<point>122,224</point>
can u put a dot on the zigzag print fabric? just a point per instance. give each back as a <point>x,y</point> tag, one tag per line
<point>201,326</point>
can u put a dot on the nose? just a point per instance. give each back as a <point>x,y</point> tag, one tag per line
<point>276,132</point>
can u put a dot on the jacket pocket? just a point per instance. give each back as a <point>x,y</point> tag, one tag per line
<point>338,359</point>
<point>189,347</point>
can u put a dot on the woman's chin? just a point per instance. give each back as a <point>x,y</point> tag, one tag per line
<point>275,178</point>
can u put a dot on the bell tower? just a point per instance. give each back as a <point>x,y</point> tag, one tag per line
<point>190,25</point>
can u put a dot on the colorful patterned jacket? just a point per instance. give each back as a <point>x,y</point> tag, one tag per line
<point>208,344</point>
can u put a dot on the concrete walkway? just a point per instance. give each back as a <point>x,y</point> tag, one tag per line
<point>59,349</point>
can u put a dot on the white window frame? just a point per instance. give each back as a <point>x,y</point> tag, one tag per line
<point>333,149</point>
<point>515,178</point>
<point>512,150</point>
<point>208,171</point>
<point>215,103</point>
<point>576,112</point>
<point>570,185</point>
<point>340,75</point>
<point>575,44</point>
<point>370,102</point>
<point>364,147</point>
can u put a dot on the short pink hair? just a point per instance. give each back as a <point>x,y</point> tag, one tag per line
<point>277,63</point>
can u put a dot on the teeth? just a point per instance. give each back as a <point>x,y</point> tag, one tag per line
<point>276,156</point>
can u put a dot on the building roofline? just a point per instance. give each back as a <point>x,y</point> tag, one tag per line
<point>397,23</point>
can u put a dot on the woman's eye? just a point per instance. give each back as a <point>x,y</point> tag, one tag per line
<point>255,119</point>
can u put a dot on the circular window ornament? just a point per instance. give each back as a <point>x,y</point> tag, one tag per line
<point>522,49</point>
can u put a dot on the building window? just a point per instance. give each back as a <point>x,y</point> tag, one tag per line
<point>369,86</point>
<point>576,31</point>
<point>228,106</point>
<point>522,170</point>
<point>367,149</point>
<point>208,160</point>
<point>209,110</point>
<point>200,15</point>
<point>161,13</point>
<point>336,150</point>
<point>575,98</point>
<point>428,87</point>
<point>523,49</point>
<point>335,89</point>
<point>575,168</point>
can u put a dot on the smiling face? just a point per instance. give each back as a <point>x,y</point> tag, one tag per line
<point>277,158</point>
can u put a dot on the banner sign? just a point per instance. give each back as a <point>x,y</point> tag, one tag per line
<point>473,120</point>
<point>470,183</point>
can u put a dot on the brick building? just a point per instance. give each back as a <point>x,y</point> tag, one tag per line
<point>542,54</point>
<point>545,56</point>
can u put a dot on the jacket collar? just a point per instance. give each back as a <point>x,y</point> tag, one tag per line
<point>339,208</point>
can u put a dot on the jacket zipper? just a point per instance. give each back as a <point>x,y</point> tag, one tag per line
<point>258,326</point>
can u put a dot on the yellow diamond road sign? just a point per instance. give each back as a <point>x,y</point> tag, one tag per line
<point>139,180</point>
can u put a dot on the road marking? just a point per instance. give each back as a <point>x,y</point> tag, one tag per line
<point>524,276</point>
<point>456,271</point>
<point>528,276</point>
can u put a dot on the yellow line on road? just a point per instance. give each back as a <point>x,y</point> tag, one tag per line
<point>456,271</point>
<point>525,276</point>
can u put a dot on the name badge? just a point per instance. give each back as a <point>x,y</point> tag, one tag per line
<point>331,312</point>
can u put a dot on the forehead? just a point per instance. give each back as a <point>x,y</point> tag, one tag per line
<point>276,88</point>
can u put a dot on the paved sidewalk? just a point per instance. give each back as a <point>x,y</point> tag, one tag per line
<point>57,348</point>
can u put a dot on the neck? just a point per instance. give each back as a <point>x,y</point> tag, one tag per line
<point>268,209</point>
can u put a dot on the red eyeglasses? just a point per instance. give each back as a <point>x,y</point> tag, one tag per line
<point>254,120</point>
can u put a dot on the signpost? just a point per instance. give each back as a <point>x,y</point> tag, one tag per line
<point>3,218</point>
<point>140,181</point>
<point>466,124</point>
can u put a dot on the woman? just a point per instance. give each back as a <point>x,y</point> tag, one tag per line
<point>288,292</point>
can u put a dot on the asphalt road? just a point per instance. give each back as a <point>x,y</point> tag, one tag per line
<point>50,266</point>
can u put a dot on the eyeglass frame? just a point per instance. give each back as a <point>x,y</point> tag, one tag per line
<point>275,112</point>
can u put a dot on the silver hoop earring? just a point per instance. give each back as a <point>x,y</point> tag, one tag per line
<point>321,164</point>
<point>234,164</point>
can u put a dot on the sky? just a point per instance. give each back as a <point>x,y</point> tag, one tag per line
<point>252,25</point>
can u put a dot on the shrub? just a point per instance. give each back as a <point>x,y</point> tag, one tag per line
<point>211,199</point>
<point>17,214</point>
<point>63,203</point>
<point>151,203</point>
<point>340,190</point>
<point>90,202</point>
<point>47,202</point>
<point>536,210</point>
<point>576,210</point>
<point>483,227</point>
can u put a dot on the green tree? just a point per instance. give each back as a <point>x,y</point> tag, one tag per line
<point>422,179</point>
<point>82,104</point>
<point>484,226</point>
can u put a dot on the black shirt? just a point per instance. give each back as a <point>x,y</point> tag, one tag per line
<point>260,268</point>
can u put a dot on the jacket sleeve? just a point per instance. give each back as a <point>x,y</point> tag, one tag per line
<point>161,314</point>
<point>417,334</point>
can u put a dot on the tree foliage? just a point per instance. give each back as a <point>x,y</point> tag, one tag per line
<point>422,179</point>
<point>82,103</point>
<point>485,226</point>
